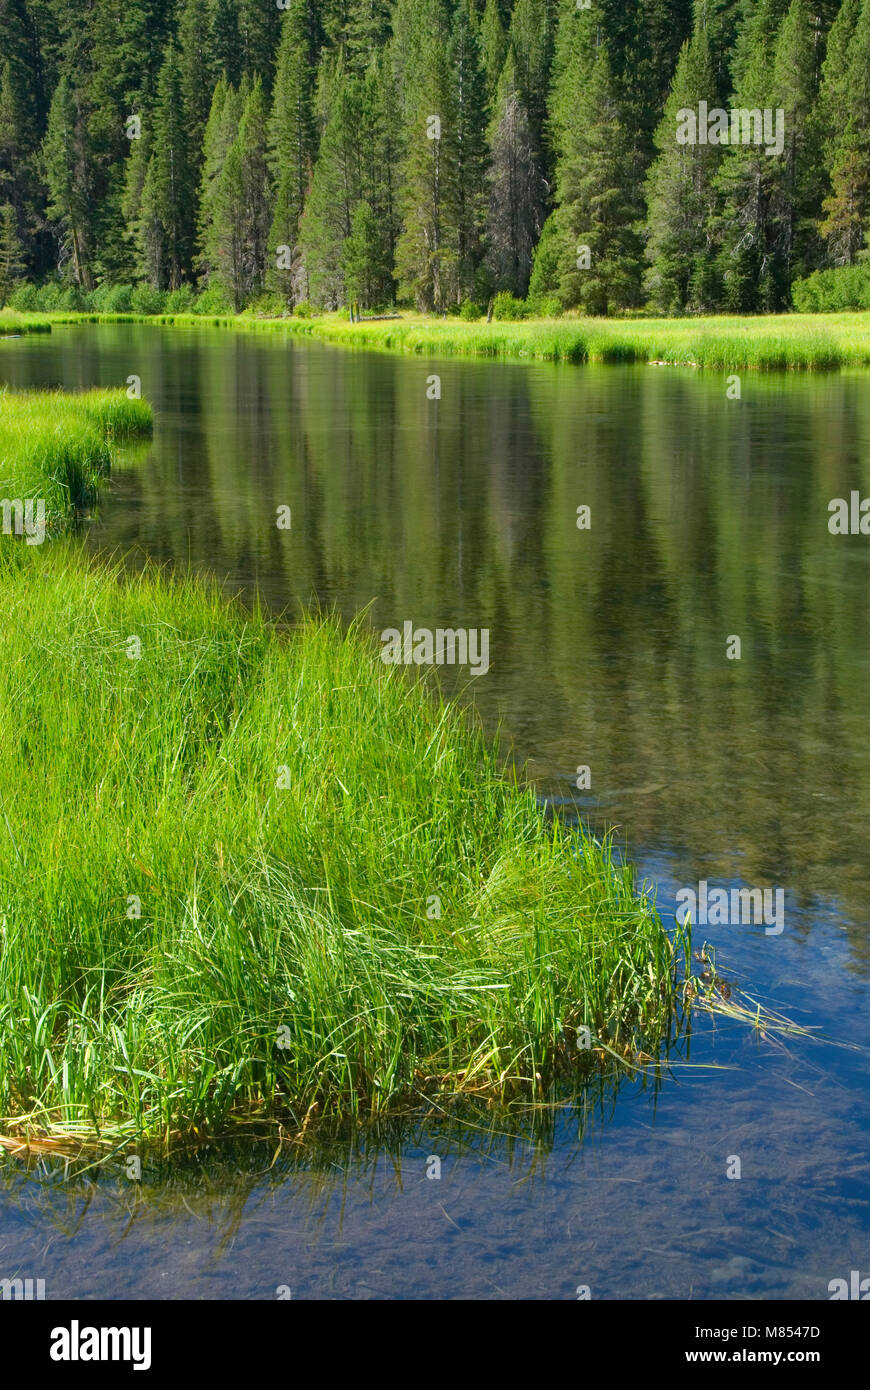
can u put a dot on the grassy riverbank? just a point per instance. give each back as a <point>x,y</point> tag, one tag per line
<point>57,447</point>
<point>12,325</point>
<point>784,342</point>
<point>251,874</point>
<point>777,342</point>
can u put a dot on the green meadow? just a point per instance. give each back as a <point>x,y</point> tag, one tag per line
<point>806,342</point>
<point>250,875</point>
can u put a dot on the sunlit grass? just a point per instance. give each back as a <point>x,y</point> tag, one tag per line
<point>12,324</point>
<point>773,342</point>
<point>58,447</point>
<point>781,342</point>
<point>289,960</point>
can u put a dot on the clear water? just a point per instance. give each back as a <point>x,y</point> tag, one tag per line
<point>608,649</point>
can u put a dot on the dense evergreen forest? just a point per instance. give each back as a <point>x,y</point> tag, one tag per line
<point>428,152</point>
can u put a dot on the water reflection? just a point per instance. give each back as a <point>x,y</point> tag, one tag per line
<point>608,649</point>
<point>709,519</point>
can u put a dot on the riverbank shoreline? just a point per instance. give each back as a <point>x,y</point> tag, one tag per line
<point>256,877</point>
<point>786,342</point>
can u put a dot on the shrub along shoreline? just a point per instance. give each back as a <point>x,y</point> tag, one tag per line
<point>810,342</point>
<point>252,875</point>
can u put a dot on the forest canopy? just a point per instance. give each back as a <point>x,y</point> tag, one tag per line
<point>434,153</point>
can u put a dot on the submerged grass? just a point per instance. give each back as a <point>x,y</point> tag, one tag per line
<point>772,342</point>
<point>58,447</point>
<point>185,944</point>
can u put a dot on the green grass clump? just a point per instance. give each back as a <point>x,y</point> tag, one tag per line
<point>287,955</point>
<point>58,447</point>
<point>13,324</point>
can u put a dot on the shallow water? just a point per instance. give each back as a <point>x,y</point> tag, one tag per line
<point>607,649</point>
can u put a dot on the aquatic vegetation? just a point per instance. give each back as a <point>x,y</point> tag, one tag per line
<point>772,342</point>
<point>780,342</point>
<point>250,872</point>
<point>57,448</point>
<point>13,324</point>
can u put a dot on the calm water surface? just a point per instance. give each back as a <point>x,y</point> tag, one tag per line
<point>607,649</point>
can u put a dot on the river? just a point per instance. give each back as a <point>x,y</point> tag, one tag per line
<point>611,648</point>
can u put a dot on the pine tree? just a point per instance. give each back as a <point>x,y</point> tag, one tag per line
<point>381,156</point>
<point>718,20</point>
<point>578,38</point>
<point>834,107</point>
<point>599,249</point>
<point>45,57</point>
<point>663,26</point>
<point>11,256</point>
<point>427,252</point>
<point>225,238</point>
<point>517,191</point>
<point>256,191</point>
<point>220,134</point>
<point>14,164</point>
<point>494,46</point>
<point>847,208</point>
<point>118,78</point>
<point>198,76</point>
<point>67,178</point>
<point>21,61</point>
<point>135,175</point>
<point>468,147</point>
<point>235,205</point>
<point>148,229</point>
<point>532,38</point>
<point>757,24</point>
<point>680,194</point>
<point>350,225</point>
<point>417,25</point>
<point>170,182</point>
<point>327,222</point>
<point>366,33</point>
<point>292,141</point>
<point>365,265</point>
<point>747,179</point>
<point>225,41</point>
<point>118,74</point>
<point>258,33</point>
<point>797,180</point>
